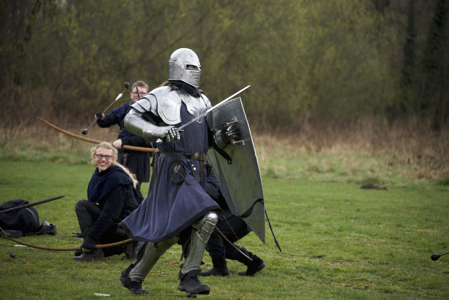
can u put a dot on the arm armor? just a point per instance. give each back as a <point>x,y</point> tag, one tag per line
<point>135,122</point>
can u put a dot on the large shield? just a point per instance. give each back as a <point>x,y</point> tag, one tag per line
<point>239,173</point>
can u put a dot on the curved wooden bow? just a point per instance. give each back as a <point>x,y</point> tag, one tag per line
<point>134,148</point>
<point>68,248</point>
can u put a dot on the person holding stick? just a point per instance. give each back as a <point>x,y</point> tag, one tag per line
<point>137,162</point>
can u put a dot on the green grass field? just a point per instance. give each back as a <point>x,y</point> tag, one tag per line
<point>338,241</point>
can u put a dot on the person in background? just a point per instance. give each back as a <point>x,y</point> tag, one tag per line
<point>111,197</point>
<point>136,161</point>
<point>234,229</point>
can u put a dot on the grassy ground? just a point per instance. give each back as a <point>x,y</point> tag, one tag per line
<point>338,241</point>
<point>402,156</point>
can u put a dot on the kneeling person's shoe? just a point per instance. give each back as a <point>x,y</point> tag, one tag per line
<point>191,284</point>
<point>78,252</point>
<point>97,254</point>
<point>133,286</point>
<point>130,250</point>
<point>253,267</point>
<point>224,272</point>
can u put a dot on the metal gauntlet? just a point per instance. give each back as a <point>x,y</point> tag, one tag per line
<point>229,133</point>
<point>219,140</point>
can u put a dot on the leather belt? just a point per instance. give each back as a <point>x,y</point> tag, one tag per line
<point>131,154</point>
<point>189,156</point>
<point>196,156</point>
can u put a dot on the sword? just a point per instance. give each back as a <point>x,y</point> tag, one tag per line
<point>159,141</point>
<point>211,109</point>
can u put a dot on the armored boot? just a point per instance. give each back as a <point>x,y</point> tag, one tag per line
<point>190,269</point>
<point>253,266</point>
<point>191,284</point>
<point>134,286</point>
<point>133,276</point>
<point>220,267</point>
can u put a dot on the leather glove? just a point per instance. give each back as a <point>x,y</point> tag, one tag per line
<point>228,132</point>
<point>88,245</point>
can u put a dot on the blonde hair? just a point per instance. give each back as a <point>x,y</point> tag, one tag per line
<point>140,84</point>
<point>108,146</point>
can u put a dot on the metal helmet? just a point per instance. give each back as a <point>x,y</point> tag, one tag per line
<point>177,67</point>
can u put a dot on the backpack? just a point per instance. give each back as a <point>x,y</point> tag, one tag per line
<point>23,221</point>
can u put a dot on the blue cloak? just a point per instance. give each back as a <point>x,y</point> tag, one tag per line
<point>170,208</point>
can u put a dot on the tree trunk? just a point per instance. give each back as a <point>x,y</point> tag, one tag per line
<point>24,46</point>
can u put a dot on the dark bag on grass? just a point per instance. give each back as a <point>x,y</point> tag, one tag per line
<point>23,221</point>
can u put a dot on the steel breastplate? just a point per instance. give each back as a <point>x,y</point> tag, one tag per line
<point>169,104</point>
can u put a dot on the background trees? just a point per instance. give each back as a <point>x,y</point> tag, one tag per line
<point>321,60</point>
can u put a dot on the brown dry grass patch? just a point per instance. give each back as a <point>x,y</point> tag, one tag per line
<point>352,151</point>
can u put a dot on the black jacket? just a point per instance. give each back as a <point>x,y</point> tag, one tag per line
<point>116,205</point>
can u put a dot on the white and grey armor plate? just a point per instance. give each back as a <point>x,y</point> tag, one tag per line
<point>166,103</point>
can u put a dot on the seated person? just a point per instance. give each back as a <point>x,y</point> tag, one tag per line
<point>111,197</point>
<point>234,228</point>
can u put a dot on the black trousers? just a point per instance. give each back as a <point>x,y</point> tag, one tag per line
<point>88,213</point>
<point>234,228</point>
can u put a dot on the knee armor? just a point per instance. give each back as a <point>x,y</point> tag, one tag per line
<point>200,236</point>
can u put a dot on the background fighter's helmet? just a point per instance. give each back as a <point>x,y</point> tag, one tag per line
<point>178,67</point>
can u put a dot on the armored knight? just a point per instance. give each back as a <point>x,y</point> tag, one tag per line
<point>177,208</point>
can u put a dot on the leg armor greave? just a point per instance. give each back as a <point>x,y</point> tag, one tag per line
<point>201,233</point>
<point>147,258</point>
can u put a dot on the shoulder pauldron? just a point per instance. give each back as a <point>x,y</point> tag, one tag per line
<point>169,103</point>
